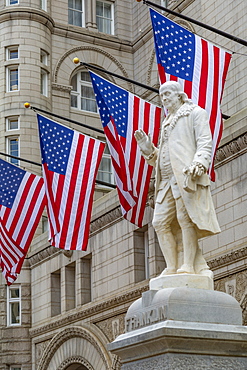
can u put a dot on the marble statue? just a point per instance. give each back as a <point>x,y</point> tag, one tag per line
<point>184,211</point>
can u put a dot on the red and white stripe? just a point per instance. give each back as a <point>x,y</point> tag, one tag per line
<point>70,196</point>
<point>209,75</point>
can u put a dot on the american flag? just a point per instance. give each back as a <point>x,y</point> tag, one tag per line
<point>22,201</point>
<point>199,66</point>
<point>70,162</point>
<point>122,113</point>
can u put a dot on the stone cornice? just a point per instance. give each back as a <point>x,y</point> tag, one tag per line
<point>228,259</point>
<point>94,309</point>
<point>27,13</point>
<point>59,87</point>
<point>105,221</point>
<point>231,150</point>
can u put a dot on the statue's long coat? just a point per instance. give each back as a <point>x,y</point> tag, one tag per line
<point>190,140</point>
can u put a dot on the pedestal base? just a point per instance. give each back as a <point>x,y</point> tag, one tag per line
<point>183,328</point>
<point>180,345</point>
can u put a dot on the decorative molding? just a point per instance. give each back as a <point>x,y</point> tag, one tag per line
<point>231,150</point>
<point>42,255</point>
<point>95,50</point>
<point>108,219</point>
<point>112,327</point>
<point>27,13</point>
<point>75,360</point>
<point>62,337</point>
<point>228,259</point>
<point>95,308</point>
<point>60,87</point>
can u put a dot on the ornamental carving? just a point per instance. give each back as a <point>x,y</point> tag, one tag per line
<point>62,337</point>
<point>228,258</point>
<point>94,50</point>
<point>107,220</point>
<point>128,297</point>
<point>75,360</point>
<point>229,151</point>
<point>235,285</point>
<point>112,327</point>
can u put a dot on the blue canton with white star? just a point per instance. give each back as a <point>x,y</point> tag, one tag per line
<point>112,103</point>
<point>10,180</point>
<point>55,143</point>
<point>174,45</point>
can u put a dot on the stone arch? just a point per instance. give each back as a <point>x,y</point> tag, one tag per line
<point>92,55</point>
<point>75,345</point>
<point>75,360</point>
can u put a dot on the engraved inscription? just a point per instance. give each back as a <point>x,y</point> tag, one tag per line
<point>144,318</point>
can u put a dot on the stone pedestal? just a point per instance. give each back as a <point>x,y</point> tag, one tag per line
<point>182,327</point>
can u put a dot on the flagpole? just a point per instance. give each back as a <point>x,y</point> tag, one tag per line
<point>40,165</point>
<point>76,61</point>
<point>65,119</point>
<point>210,28</point>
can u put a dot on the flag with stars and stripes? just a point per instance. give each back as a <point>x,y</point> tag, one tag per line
<point>22,201</point>
<point>199,66</point>
<point>122,113</point>
<point>70,162</point>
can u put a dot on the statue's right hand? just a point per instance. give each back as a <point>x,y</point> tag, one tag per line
<point>144,141</point>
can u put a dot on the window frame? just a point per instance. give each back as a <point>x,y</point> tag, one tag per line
<point>106,155</point>
<point>8,81</point>
<point>43,5</point>
<point>8,3</point>
<point>8,139</point>
<point>8,51</point>
<point>77,93</point>
<point>44,82</point>
<point>83,23</point>
<point>112,26</point>
<point>12,118</point>
<point>13,300</point>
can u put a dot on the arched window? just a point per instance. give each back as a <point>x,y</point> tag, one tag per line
<point>82,94</point>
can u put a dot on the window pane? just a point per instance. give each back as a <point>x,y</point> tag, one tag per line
<point>15,312</point>
<point>74,83</point>
<point>14,293</point>
<point>12,2</point>
<point>13,79</point>
<point>78,4</point>
<point>85,77</point>
<point>87,92</point>
<point>13,124</point>
<point>73,101</point>
<point>77,16</point>
<point>70,16</point>
<point>70,3</point>
<point>89,105</point>
<point>13,54</point>
<point>107,10</point>
<point>99,8</point>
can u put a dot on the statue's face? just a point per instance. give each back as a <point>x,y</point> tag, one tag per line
<point>169,98</point>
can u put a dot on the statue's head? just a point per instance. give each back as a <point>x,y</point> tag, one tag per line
<point>175,89</point>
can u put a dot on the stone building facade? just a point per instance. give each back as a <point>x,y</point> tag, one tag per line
<point>66,306</point>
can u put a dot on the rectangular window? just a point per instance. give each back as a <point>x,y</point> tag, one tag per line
<point>76,12</point>
<point>13,149</point>
<point>44,57</point>
<point>82,95</point>
<point>44,82</point>
<point>15,368</point>
<point>14,305</point>
<point>105,172</point>
<point>43,5</point>
<point>12,123</point>
<point>12,78</point>
<point>86,279</point>
<point>70,286</point>
<point>55,293</point>
<point>105,17</point>
<point>12,2</point>
<point>12,52</point>
<point>141,254</point>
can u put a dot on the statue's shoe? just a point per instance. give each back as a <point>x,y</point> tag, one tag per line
<point>186,269</point>
<point>169,271</point>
